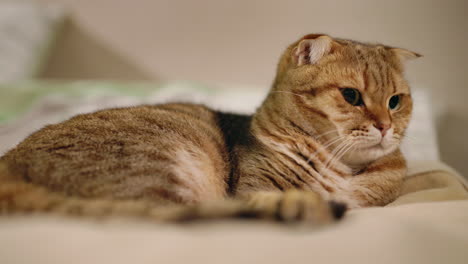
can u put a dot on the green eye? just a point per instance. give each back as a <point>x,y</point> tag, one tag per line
<point>394,102</point>
<point>352,96</point>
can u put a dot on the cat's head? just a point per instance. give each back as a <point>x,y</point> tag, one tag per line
<point>356,90</point>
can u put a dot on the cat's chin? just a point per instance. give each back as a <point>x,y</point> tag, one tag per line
<point>378,150</point>
<point>366,154</point>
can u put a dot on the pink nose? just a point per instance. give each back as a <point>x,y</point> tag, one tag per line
<point>383,127</point>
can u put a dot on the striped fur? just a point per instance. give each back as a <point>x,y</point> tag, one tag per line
<point>304,147</point>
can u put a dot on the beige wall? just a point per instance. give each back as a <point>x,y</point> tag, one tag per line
<point>239,41</point>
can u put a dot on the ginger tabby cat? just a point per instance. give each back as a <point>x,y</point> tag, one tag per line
<point>326,136</point>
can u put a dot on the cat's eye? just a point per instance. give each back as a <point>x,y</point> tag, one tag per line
<point>394,102</point>
<point>352,96</point>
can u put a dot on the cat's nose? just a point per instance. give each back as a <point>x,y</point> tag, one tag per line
<point>383,127</point>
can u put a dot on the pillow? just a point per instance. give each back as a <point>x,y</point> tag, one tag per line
<point>27,31</point>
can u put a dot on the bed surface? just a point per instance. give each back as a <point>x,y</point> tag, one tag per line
<point>413,233</point>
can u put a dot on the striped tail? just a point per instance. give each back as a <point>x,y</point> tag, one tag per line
<point>20,197</point>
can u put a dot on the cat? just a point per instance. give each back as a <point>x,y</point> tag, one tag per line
<point>326,138</point>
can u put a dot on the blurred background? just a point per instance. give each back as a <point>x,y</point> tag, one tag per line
<point>221,42</point>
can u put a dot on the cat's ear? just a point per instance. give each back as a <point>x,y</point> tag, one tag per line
<point>404,54</point>
<point>311,49</point>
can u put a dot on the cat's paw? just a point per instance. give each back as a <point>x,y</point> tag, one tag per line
<point>297,206</point>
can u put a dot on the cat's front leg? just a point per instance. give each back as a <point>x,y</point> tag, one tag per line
<point>380,182</point>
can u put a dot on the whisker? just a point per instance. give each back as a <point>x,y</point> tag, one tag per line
<point>336,150</point>
<point>347,150</point>
<point>340,153</point>
<point>327,143</point>
<point>326,133</point>
<point>338,156</point>
<point>325,146</point>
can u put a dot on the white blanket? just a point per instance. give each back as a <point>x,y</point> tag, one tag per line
<point>434,232</point>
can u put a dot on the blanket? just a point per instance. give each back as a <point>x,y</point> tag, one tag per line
<point>431,181</point>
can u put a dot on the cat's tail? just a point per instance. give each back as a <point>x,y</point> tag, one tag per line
<point>20,197</point>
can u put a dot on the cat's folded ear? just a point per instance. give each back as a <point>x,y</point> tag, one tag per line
<point>311,48</point>
<point>404,54</point>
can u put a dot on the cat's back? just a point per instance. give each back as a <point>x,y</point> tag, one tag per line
<point>125,152</point>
